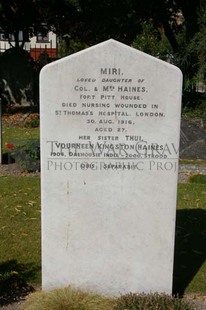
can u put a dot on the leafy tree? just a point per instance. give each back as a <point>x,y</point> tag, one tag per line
<point>153,42</point>
<point>34,16</point>
<point>191,54</point>
<point>17,16</point>
<point>176,28</point>
<point>198,42</point>
<point>92,21</point>
<point>123,19</point>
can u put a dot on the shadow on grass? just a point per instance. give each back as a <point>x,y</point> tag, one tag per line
<point>14,280</point>
<point>190,247</point>
<point>190,254</point>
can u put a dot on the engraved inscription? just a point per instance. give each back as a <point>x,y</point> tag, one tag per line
<point>110,105</point>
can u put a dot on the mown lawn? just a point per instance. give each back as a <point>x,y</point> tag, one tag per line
<point>18,135</point>
<point>20,229</point>
<point>20,233</point>
<point>190,252</point>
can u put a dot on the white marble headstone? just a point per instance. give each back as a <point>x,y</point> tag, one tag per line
<point>110,123</point>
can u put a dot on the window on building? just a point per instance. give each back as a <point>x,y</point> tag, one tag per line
<point>2,37</point>
<point>11,37</point>
<point>42,38</point>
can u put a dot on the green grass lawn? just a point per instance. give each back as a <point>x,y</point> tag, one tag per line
<point>16,135</point>
<point>190,252</point>
<point>20,232</point>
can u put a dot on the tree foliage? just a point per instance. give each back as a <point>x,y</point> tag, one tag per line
<point>92,21</point>
<point>35,16</point>
<point>197,44</point>
<point>152,42</point>
<point>176,28</point>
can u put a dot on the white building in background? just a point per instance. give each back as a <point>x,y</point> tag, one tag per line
<point>38,45</point>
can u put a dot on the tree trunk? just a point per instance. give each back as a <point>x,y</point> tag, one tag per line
<point>170,35</point>
<point>16,38</point>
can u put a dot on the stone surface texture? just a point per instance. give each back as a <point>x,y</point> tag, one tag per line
<point>193,140</point>
<point>110,123</point>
